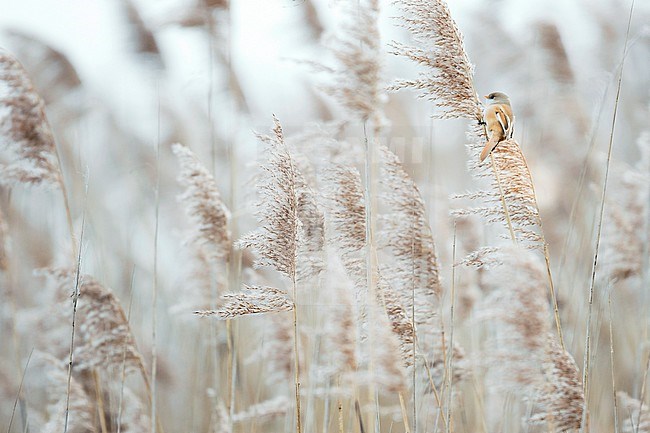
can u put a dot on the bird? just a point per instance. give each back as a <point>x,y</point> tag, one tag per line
<point>499,121</point>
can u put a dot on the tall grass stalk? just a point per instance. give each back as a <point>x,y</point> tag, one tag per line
<point>75,300</point>
<point>611,358</point>
<point>123,372</point>
<point>587,354</point>
<point>20,390</point>
<point>154,292</point>
<point>450,357</point>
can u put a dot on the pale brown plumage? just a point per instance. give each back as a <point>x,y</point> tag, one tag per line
<point>499,121</point>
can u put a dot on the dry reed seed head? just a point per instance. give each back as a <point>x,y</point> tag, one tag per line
<point>81,409</point>
<point>24,129</point>
<point>439,368</point>
<point>251,300</point>
<point>50,69</point>
<point>407,235</point>
<point>399,321</point>
<point>287,213</point>
<point>518,310</point>
<point>514,180</point>
<point>447,79</point>
<point>311,231</point>
<point>203,204</point>
<point>346,209</point>
<point>339,330</point>
<point>561,397</point>
<point>357,76</point>
<point>384,355</point>
<point>271,408</point>
<point>145,41</point>
<point>104,339</point>
<point>558,60</point>
<point>634,413</point>
<point>625,234</point>
<point>277,350</point>
<point>346,221</point>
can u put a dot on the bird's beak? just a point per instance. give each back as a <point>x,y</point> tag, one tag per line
<point>486,96</point>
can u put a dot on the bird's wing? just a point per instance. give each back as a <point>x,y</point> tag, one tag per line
<point>504,120</point>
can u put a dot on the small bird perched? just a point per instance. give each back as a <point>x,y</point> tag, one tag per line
<point>499,120</point>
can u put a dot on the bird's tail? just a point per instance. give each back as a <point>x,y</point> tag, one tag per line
<point>489,147</point>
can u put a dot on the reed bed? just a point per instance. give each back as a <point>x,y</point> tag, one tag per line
<point>348,266</point>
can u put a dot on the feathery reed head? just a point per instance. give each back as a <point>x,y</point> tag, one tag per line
<point>203,204</point>
<point>104,339</point>
<point>561,396</point>
<point>287,212</point>
<point>357,80</point>
<point>448,80</point>
<point>251,300</point>
<point>24,128</point>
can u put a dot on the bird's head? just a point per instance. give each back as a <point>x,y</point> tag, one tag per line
<point>497,98</point>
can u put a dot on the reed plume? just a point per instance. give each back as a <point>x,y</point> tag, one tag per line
<point>626,234</point>
<point>518,310</point>
<point>357,74</point>
<point>448,81</point>
<point>339,331</point>
<point>287,214</point>
<point>251,300</point>
<point>80,410</point>
<point>346,218</point>
<point>512,187</point>
<point>50,70</point>
<point>561,397</point>
<point>209,240</point>
<point>290,223</point>
<point>270,408</point>
<point>24,129</point>
<point>408,237</point>
<point>203,204</point>
<point>104,339</point>
<point>448,77</point>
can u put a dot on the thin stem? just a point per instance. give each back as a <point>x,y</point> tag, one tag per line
<point>75,299</point>
<point>123,374</point>
<point>371,263</point>
<point>100,401</point>
<point>402,405</point>
<point>587,360</point>
<point>450,356</point>
<point>296,359</point>
<point>66,203</point>
<point>643,391</point>
<point>154,297</point>
<point>503,199</point>
<point>294,286</point>
<point>547,259</point>
<point>20,389</point>
<point>611,358</point>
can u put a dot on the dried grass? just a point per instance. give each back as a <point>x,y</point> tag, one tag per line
<point>24,129</point>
